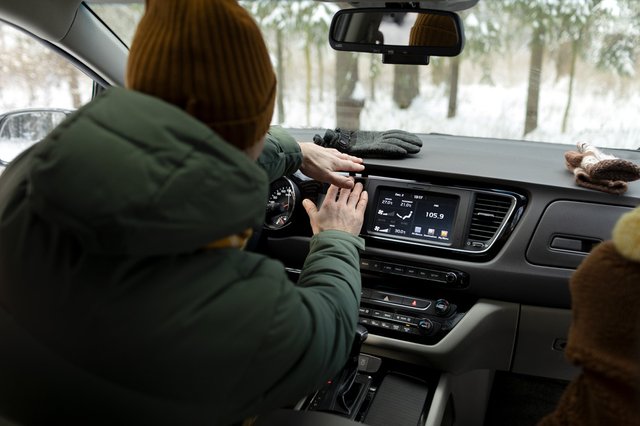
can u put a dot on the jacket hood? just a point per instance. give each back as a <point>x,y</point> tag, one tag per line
<point>131,174</point>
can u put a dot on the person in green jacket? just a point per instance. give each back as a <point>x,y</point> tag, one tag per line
<point>125,295</point>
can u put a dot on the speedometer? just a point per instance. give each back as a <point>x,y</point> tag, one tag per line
<point>281,205</point>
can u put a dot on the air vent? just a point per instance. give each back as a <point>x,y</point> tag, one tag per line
<point>489,211</point>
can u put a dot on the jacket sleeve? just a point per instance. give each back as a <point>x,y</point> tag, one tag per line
<point>313,325</point>
<point>281,154</point>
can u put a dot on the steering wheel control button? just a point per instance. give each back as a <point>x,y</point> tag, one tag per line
<point>442,307</point>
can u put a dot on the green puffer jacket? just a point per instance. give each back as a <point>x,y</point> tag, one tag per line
<point>118,315</point>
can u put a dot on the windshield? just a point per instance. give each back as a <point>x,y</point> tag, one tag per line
<point>539,70</point>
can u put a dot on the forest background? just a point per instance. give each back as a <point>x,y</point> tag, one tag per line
<point>546,70</point>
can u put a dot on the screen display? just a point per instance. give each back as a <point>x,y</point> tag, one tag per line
<point>414,214</point>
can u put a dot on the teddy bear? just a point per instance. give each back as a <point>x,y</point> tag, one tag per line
<point>604,336</point>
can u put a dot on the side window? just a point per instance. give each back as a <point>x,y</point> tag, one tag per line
<point>38,88</point>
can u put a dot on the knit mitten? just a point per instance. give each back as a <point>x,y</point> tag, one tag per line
<point>596,170</point>
<point>388,144</point>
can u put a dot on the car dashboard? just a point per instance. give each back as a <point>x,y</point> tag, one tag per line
<point>469,248</point>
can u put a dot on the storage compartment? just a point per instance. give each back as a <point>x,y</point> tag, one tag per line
<point>568,231</point>
<point>542,335</point>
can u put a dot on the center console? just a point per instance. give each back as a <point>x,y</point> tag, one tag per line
<point>432,344</point>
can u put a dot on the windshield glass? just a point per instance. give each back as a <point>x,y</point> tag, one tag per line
<point>540,70</point>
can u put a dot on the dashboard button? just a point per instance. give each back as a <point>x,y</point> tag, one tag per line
<point>364,311</point>
<point>365,321</point>
<point>365,264</point>
<point>387,315</point>
<point>415,303</point>
<point>410,330</point>
<point>377,314</point>
<point>387,268</point>
<point>385,325</point>
<point>436,276</point>
<point>374,323</point>
<point>391,298</point>
<point>412,272</point>
<point>404,318</point>
<point>397,269</point>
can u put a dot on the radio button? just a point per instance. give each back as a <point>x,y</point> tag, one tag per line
<point>387,315</point>
<point>451,277</point>
<point>364,311</point>
<point>412,272</point>
<point>397,269</point>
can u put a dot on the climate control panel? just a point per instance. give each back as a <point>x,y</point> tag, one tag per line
<point>406,317</point>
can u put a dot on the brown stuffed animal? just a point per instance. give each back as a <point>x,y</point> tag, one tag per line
<point>604,338</point>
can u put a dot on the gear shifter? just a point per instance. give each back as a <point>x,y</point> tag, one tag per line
<point>344,394</point>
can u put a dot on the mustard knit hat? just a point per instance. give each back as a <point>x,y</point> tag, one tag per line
<point>208,58</point>
<point>431,29</point>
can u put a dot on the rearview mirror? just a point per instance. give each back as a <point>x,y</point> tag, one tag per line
<point>402,36</point>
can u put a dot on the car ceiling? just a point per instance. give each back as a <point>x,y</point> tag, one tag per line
<point>49,20</point>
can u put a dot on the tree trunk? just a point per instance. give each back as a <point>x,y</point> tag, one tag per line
<point>454,77</point>
<point>280,72</point>
<point>320,67</point>
<point>307,94</point>
<point>575,47</point>
<point>406,85</point>
<point>372,78</point>
<point>347,108</point>
<point>535,71</point>
<point>74,88</point>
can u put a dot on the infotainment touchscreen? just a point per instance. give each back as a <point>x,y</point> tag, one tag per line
<point>420,215</point>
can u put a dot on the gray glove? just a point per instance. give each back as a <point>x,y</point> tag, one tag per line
<point>388,144</point>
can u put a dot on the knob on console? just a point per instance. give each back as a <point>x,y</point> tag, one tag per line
<point>451,277</point>
<point>425,325</point>
<point>442,307</point>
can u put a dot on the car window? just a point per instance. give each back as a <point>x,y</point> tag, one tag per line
<point>536,70</point>
<point>37,88</point>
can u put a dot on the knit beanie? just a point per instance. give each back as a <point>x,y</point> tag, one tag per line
<point>431,29</point>
<point>207,57</point>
